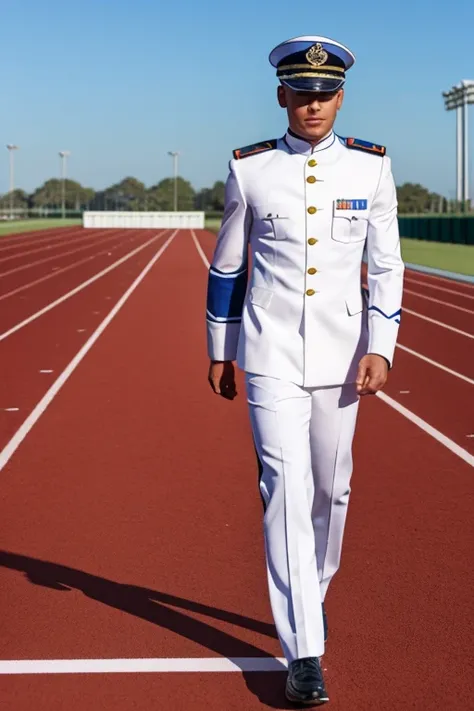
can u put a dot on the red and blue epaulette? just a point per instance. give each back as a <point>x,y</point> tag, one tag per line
<point>255,148</point>
<point>366,146</point>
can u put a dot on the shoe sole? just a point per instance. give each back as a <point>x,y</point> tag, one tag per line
<point>305,702</point>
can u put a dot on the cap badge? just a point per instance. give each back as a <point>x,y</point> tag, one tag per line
<point>316,55</point>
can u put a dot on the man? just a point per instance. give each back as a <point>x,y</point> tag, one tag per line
<point>297,322</point>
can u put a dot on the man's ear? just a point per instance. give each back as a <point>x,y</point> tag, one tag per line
<point>282,97</point>
<point>340,98</point>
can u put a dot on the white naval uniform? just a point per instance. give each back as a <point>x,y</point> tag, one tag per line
<point>296,321</point>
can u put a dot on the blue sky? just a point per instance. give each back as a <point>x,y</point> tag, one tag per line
<point>121,82</point>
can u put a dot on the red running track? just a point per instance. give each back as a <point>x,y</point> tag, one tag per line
<point>131,518</point>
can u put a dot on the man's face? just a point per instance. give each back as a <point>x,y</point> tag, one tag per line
<point>311,114</point>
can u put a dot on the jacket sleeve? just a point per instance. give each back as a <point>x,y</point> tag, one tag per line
<point>385,267</point>
<point>227,277</point>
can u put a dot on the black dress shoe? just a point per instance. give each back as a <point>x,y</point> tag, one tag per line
<point>305,684</point>
<point>325,623</point>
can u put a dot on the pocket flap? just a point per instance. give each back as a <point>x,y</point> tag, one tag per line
<point>260,297</point>
<point>269,211</point>
<point>354,303</point>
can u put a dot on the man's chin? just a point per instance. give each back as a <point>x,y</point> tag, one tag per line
<point>314,132</point>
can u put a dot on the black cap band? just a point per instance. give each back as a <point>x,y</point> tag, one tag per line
<point>313,84</point>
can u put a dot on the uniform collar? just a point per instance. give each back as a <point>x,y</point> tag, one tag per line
<point>300,145</point>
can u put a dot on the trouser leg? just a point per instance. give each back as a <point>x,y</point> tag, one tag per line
<point>333,420</point>
<point>280,414</point>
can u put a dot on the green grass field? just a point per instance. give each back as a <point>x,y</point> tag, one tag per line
<point>457,258</point>
<point>9,228</point>
<point>213,225</point>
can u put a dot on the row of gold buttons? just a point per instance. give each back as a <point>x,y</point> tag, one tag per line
<point>312,210</point>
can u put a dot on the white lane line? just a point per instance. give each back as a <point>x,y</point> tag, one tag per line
<point>84,247</point>
<point>466,284</point>
<point>46,400</point>
<point>433,320</point>
<point>438,323</point>
<point>438,301</point>
<point>56,234</point>
<point>435,363</point>
<point>124,666</point>
<point>439,288</point>
<point>44,248</point>
<point>200,249</point>
<point>400,408</point>
<point>432,431</point>
<point>79,288</point>
<point>58,270</point>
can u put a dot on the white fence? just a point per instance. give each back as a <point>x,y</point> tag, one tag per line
<point>145,220</point>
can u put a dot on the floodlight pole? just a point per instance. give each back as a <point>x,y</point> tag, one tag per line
<point>459,155</point>
<point>466,152</point>
<point>11,149</point>
<point>175,155</point>
<point>458,98</point>
<point>63,155</point>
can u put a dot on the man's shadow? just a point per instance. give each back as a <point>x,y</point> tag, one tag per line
<point>151,605</point>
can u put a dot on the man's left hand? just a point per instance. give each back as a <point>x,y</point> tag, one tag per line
<point>372,374</point>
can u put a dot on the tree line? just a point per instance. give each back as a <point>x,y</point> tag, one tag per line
<point>128,194</point>
<point>131,194</point>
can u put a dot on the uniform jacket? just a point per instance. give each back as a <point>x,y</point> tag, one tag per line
<point>284,292</point>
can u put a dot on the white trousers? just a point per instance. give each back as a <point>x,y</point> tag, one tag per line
<point>303,437</point>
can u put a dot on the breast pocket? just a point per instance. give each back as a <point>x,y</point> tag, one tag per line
<point>349,226</point>
<point>270,221</point>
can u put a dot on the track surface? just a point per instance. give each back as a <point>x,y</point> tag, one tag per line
<point>131,520</point>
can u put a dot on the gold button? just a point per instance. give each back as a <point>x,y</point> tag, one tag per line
<point>312,240</point>
<point>312,270</point>
<point>312,163</point>
<point>310,292</point>
<point>311,179</point>
<point>312,210</point>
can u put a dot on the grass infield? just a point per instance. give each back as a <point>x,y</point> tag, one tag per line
<point>458,258</point>
<point>9,228</point>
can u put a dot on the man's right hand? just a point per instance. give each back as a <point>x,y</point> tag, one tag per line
<point>222,378</point>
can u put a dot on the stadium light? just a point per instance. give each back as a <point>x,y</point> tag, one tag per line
<point>11,149</point>
<point>63,155</point>
<point>175,155</point>
<point>458,98</point>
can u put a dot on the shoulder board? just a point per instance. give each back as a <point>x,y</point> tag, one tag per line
<point>254,149</point>
<point>366,146</point>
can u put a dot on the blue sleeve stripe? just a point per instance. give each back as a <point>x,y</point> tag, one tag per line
<point>226,275</point>
<point>225,295</point>
<point>389,317</point>
<point>235,319</point>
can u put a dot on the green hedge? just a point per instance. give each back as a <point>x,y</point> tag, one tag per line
<point>442,228</point>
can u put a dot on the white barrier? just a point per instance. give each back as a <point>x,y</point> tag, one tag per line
<point>145,220</point>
